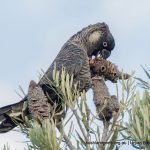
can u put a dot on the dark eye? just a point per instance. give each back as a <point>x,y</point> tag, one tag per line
<point>105,44</point>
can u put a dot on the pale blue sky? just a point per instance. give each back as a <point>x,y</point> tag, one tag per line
<point>33,31</point>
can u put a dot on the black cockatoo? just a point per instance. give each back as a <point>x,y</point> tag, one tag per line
<point>74,56</point>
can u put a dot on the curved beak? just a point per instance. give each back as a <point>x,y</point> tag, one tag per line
<point>105,53</point>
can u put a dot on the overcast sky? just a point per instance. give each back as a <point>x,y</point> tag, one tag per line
<point>33,31</point>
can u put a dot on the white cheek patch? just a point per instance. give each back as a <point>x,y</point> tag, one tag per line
<point>94,37</point>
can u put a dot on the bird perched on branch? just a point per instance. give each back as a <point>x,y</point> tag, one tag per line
<point>74,56</point>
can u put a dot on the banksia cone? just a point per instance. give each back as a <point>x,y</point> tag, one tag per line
<point>115,103</point>
<point>108,70</point>
<point>37,102</point>
<point>105,104</point>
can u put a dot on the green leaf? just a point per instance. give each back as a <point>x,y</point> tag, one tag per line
<point>80,138</point>
<point>114,139</point>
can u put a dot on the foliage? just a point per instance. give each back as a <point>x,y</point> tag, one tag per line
<point>138,127</point>
<point>83,129</point>
<point>44,137</point>
<point>145,84</point>
<point>6,147</point>
<point>89,134</point>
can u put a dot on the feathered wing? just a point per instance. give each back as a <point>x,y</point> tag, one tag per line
<point>7,123</point>
<point>72,59</point>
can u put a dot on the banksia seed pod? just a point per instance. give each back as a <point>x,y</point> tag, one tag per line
<point>115,103</point>
<point>37,102</point>
<point>108,70</point>
<point>105,104</point>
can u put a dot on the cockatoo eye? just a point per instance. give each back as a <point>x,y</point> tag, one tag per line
<point>105,44</point>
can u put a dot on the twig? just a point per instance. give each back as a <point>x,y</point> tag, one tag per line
<point>104,135</point>
<point>88,128</point>
<point>68,142</point>
<point>112,128</point>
